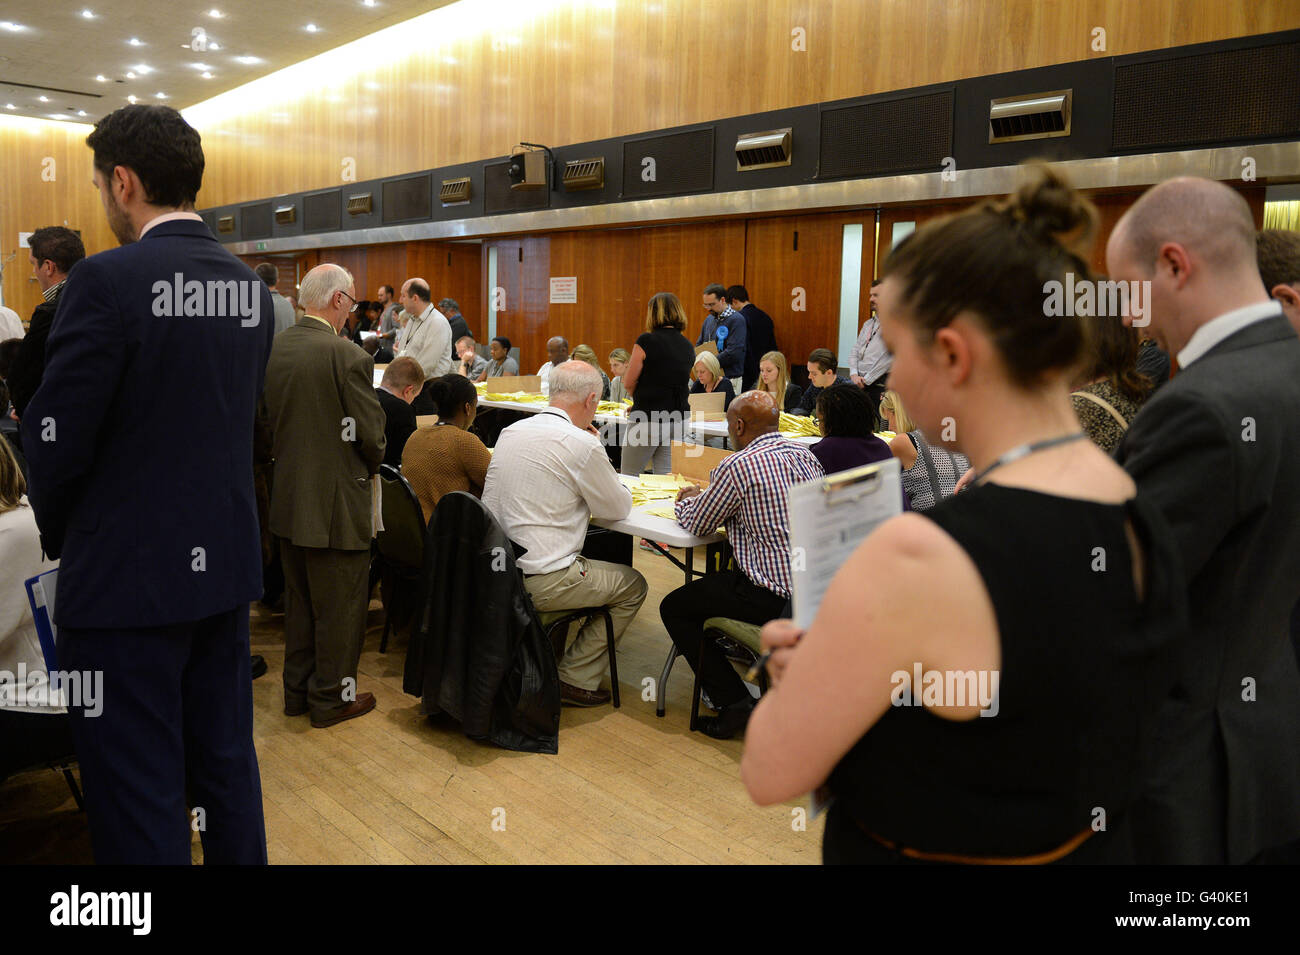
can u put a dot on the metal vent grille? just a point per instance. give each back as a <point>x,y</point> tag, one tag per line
<point>499,197</point>
<point>226,225</point>
<point>679,163</point>
<point>255,221</point>
<point>409,198</point>
<point>286,215</point>
<point>361,204</point>
<point>764,150</point>
<point>584,174</point>
<point>1035,116</point>
<point>322,211</point>
<point>1249,94</point>
<point>454,191</point>
<point>889,136</point>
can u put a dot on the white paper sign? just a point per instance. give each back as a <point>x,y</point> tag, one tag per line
<point>23,239</point>
<point>564,290</point>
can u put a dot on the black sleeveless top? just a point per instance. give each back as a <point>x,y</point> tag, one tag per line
<point>1083,667</point>
<point>665,373</point>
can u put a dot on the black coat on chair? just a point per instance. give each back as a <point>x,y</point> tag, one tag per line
<point>478,651</point>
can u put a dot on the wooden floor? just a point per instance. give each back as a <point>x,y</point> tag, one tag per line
<point>394,787</point>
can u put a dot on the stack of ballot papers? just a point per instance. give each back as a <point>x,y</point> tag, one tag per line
<point>522,397</point>
<point>799,426</point>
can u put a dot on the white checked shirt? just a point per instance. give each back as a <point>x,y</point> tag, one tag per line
<point>747,495</point>
<point>546,481</point>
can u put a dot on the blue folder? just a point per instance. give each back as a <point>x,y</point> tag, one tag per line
<point>40,594</point>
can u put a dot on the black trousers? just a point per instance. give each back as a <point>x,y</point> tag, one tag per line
<point>174,713</point>
<point>726,594</point>
<point>875,392</point>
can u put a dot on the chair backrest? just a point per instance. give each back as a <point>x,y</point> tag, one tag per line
<point>403,538</point>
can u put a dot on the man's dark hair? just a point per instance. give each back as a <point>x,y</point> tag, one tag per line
<point>845,412</point>
<point>505,342</point>
<point>737,293</point>
<point>158,145</point>
<point>389,288</point>
<point>824,357</point>
<point>8,350</point>
<point>419,290</point>
<point>1278,251</point>
<point>716,290</point>
<point>447,303</point>
<point>58,245</point>
<point>268,273</point>
<point>875,282</point>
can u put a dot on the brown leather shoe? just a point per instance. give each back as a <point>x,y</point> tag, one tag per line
<point>364,703</point>
<point>577,696</point>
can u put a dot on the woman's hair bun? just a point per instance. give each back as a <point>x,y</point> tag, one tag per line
<point>1050,208</point>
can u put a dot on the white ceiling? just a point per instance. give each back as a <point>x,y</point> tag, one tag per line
<point>59,53</point>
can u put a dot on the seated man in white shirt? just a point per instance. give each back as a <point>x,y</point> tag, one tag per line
<point>548,477</point>
<point>557,350</point>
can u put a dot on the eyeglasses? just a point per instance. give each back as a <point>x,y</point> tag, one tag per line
<point>354,302</point>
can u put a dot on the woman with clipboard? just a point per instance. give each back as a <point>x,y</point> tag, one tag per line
<point>1049,582</point>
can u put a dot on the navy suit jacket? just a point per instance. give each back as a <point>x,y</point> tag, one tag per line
<point>140,437</point>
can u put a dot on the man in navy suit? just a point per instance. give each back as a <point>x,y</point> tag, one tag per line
<point>149,502</point>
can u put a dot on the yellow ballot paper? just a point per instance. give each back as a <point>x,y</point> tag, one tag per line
<point>829,518</point>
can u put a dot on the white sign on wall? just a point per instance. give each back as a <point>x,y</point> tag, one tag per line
<point>564,290</point>
<point>23,238</point>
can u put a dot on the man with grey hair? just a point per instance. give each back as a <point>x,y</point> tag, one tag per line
<point>548,478</point>
<point>284,316</point>
<point>329,442</point>
<point>1215,451</point>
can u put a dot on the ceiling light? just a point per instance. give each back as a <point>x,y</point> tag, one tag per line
<point>10,106</point>
<point>88,14</point>
<point>310,28</point>
<point>130,99</point>
<point>101,78</point>
<point>200,66</point>
<point>135,41</point>
<point>130,75</point>
<point>213,46</point>
<point>11,27</point>
<point>45,99</point>
<point>369,3</point>
<point>81,112</point>
<point>248,60</point>
<point>206,76</point>
<point>215,13</point>
<point>59,116</point>
<point>160,95</point>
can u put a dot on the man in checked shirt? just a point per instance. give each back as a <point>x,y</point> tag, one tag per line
<point>747,494</point>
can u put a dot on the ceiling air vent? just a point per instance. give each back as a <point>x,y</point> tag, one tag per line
<point>454,191</point>
<point>584,174</point>
<point>360,204</point>
<point>763,150</point>
<point>286,215</point>
<point>226,224</point>
<point>1035,116</point>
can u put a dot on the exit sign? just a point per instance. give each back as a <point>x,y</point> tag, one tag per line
<point>261,247</point>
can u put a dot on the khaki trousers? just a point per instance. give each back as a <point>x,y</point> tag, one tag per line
<point>589,583</point>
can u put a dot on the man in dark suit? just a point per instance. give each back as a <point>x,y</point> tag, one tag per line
<point>402,381</point>
<point>760,333</point>
<point>53,252</point>
<point>329,442</point>
<point>459,327</point>
<point>150,504</point>
<point>1215,450</point>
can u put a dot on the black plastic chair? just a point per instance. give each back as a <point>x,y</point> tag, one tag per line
<point>739,641</point>
<point>400,544</point>
<point>556,624</point>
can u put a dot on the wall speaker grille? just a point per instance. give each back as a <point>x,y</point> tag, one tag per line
<point>322,212</point>
<point>1249,94</point>
<point>499,197</point>
<point>886,136</point>
<point>683,163</point>
<point>255,221</point>
<point>408,198</point>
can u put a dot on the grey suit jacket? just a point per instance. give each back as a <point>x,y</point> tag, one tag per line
<point>1218,450</point>
<point>329,437</point>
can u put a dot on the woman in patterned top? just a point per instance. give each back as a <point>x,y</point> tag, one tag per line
<point>930,472</point>
<point>1115,390</point>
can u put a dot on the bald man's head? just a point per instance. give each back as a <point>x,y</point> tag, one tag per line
<point>752,415</point>
<point>1210,220</point>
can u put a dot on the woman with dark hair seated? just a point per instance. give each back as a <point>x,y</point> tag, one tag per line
<point>845,415</point>
<point>1112,390</point>
<point>447,456</point>
<point>1037,677</point>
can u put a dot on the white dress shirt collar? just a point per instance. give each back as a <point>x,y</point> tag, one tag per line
<point>169,217</point>
<point>1217,329</point>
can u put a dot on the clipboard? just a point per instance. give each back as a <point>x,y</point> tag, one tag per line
<point>40,594</point>
<point>829,519</point>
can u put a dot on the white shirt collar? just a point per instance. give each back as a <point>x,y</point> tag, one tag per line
<point>551,409</point>
<point>169,217</point>
<point>1217,329</point>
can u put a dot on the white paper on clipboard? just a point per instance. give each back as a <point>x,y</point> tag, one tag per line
<point>829,519</point>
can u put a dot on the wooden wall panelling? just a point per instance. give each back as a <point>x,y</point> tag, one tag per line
<point>609,312</point>
<point>570,72</point>
<point>453,270</point>
<point>683,259</point>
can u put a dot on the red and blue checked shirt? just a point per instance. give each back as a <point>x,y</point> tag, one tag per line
<point>747,495</point>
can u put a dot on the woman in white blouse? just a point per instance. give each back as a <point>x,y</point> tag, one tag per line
<point>32,729</point>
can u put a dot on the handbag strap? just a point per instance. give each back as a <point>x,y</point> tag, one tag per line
<point>1098,400</point>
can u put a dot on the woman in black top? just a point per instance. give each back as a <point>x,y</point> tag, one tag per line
<point>657,376</point>
<point>1043,601</point>
<point>709,380</point>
